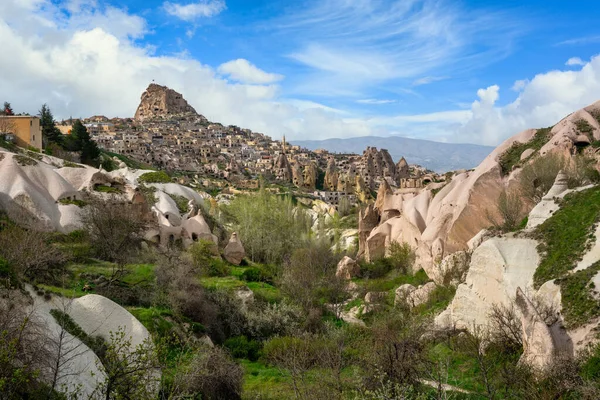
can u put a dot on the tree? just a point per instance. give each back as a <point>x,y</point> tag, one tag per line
<point>50,133</point>
<point>269,226</point>
<point>132,372</point>
<point>510,209</point>
<point>115,231</point>
<point>7,109</point>
<point>80,140</point>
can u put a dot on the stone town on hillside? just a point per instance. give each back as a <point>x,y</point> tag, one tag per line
<point>169,134</point>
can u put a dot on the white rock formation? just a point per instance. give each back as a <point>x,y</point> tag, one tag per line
<point>347,268</point>
<point>548,206</point>
<point>421,294</point>
<point>100,316</point>
<point>498,267</point>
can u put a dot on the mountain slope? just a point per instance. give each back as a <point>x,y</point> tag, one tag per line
<point>440,157</point>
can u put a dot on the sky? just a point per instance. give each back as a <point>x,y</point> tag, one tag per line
<point>475,71</point>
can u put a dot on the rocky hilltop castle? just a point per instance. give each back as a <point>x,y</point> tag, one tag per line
<point>169,134</point>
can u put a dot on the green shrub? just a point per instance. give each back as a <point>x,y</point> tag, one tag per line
<point>181,202</point>
<point>375,269</point>
<point>256,274</point>
<point>241,347</point>
<point>8,278</point>
<point>218,267</point>
<point>78,203</point>
<point>155,177</point>
<point>106,189</point>
<point>25,161</point>
<point>584,127</point>
<point>402,257</point>
<point>578,303</point>
<point>512,156</point>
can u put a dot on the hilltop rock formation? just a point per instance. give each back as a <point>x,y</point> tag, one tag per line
<point>160,101</point>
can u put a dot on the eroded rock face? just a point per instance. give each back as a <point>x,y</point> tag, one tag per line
<point>498,267</point>
<point>310,176</point>
<point>347,268</point>
<point>539,348</point>
<point>421,294</point>
<point>367,221</point>
<point>402,292</point>
<point>545,208</point>
<point>331,176</point>
<point>234,251</point>
<point>159,101</point>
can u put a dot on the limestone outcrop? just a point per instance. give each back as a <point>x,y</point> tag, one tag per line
<point>234,251</point>
<point>160,101</point>
<point>347,268</point>
<point>421,294</point>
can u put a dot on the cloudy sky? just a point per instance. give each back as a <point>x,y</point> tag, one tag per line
<point>456,71</point>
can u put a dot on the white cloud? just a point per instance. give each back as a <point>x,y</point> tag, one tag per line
<point>575,61</point>
<point>349,45</point>
<point>520,85</point>
<point>543,101</point>
<point>193,11</point>
<point>375,101</point>
<point>82,71</point>
<point>427,80</point>
<point>242,70</point>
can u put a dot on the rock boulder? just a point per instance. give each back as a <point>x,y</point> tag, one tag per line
<point>347,268</point>
<point>234,251</point>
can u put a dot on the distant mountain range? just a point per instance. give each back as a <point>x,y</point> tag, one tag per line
<point>440,157</point>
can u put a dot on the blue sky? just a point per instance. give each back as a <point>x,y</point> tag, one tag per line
<point>460,71</point>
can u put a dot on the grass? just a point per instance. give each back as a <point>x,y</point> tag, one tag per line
<point>155,177</point>
<point>154,319</point>
<point>106,189</point>
<point>181,202</point>
<point>462,369</point>
<point>265,382</point>
<point>512,156</point>
<point>78,203</point>
<point>438,301</point>
<point>392,280</point>
<point>566,235</point>
<point>579,304</point>
<point>128,161</point>
<point>66,322</point>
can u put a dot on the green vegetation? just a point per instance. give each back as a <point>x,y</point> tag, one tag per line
<point>155,177</point>
<point>512,157</point>
<point>97,344</point>
<point>107,189</point>
<point>76,202</point>
<point>578,299</point>
<point>181,202</point>
<point>585,128</point>
<point>131,163</point>
<point>566,235</point>
<point>25,161</point>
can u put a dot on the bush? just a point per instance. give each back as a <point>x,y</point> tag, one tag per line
<point>375,269</point>
<point>155,177</point>
<point>537,177</point>
<point>212,374</point>
<point>402,257</point>
<point>510,208</point>
<point>256,274</point>
<point>241,347</point>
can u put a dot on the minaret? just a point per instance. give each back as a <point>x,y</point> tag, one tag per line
<point>283,145</point>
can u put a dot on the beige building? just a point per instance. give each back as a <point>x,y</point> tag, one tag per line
<point>27,130</point>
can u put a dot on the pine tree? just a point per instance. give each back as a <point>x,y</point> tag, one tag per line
<point>50,132</point>
<point>80,140</point>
